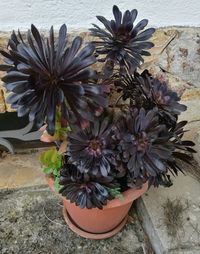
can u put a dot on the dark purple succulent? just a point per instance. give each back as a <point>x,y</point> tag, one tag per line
<point>86,191</point>
<point>144,144</point>
<point>128,88</point>
<point>122,43</point>
<point>149,149</point>
<point>182,154</point>
<point>43,74</point>
<point>145,91</point>
<point>105,155</point>
<point>92,149</point>
<point>183,148</point>
<point>165,99</point>
<point>162,179</point>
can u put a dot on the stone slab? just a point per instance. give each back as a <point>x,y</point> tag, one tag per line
<point>32,223</point>
<point>21,170</point>
<point>2,101</point>
<point>182,56</point>
<point>151,211</point>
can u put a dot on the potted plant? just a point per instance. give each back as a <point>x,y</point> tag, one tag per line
<point>106,155</point>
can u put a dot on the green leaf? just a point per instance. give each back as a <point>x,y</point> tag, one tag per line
<point>52,162</point>
<point>54,156</point>
<point>116,193</point>
<point>57,184</point>
<point>60,132</point>
<point>45,157</point>
<point>48,171</point>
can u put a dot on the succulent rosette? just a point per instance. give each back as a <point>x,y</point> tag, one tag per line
<point>85,190</point>
<point>158,94</point>
<point>183,153</point>
<point>149,149</point>
<point>143,143</point>
<point>148,92</point>
<point>92,149</point>
<point>129,88</point>
<point>183,148</point>
<point>121,42</point>
<point>43,74</point>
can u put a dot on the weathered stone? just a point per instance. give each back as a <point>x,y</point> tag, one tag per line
<point>161,39</point>
<point>175,83</point>
<point>3,43</point>
<point>191,94</point>
<point>197,142</point>
<point>181,57</point>
<point>150,208</point>
<point>21,170</point>
<point>191,98</point>
<point>176,51</point>
<point>192,112</point>
<point>2,101</point>
<point>8,106</point>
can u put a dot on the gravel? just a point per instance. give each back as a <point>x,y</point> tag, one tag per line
<point>31,221</point>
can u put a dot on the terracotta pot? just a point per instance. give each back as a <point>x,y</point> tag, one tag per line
<point>50,182</point>
<point>99,224</point>
<point>45,137</point>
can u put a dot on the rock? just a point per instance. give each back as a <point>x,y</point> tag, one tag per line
<point>175,57</point>
<point>191,94</point>
<point>174,82</point>
<point>192,112</point>
<point>191,98</point>
<point>182,56</point>
<point>197,142</point>
<point>21,170</point>
<point>161,38</point>
<point>2,102</point>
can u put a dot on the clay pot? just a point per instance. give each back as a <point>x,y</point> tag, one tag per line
<point>99,224</point>
<point>50,182</point>
<point>45,137</point>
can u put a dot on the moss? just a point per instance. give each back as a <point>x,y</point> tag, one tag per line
<point>173,216</point>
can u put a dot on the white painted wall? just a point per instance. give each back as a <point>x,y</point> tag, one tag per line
<point>77,14</point>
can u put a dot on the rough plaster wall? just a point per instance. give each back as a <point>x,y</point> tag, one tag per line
<point>78,14</point>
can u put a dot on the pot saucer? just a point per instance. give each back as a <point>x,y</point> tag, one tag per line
<point>96,236</point>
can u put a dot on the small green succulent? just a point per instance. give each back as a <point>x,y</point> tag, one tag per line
<point>52,161</point>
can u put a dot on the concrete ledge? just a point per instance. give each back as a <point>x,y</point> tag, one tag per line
<point>21,170</point>
<point>148,226</point>
<point>150,209</point>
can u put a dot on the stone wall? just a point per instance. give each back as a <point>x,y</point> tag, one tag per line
<point>175,58</point>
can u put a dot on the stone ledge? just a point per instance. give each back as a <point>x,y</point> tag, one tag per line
<point>151,212</point>
<point>21,170</point>
<point>2,101</point>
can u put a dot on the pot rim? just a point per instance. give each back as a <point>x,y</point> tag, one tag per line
<point>129,196</point>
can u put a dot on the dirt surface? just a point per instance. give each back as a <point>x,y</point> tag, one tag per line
<point>21,169</point>
<point>31,222</point>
